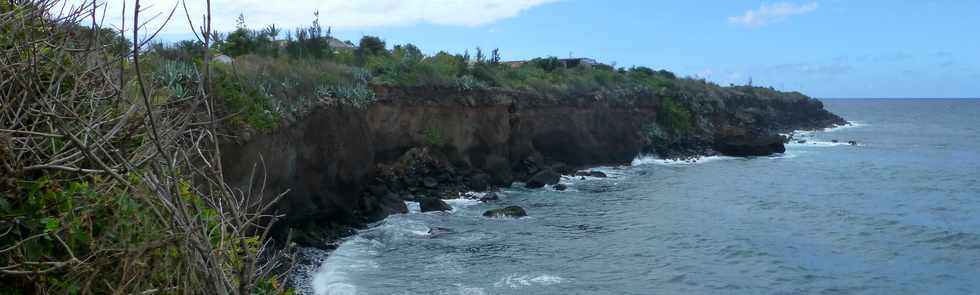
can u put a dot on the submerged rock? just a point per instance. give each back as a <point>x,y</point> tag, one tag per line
<point>433,204</point>
<point>801,141</point>
<point>851,142</point>
<point>591,173</point>
<point>560,187</point>
<point>542,178</point>
<point>510,211</point>
<point>439,231</point>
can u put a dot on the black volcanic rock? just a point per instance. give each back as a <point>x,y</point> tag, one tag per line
<point>491,196</point>
<point>510,211</point>
<point>479,182</point>
<point>747,144</point>
<point>433,204</point>
<point>542,178</point>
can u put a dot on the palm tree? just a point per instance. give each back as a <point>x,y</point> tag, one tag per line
<point>273,31</point>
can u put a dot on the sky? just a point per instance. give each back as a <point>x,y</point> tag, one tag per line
<point>823,48</point>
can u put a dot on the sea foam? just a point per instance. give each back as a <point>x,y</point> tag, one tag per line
<point>647,160</point>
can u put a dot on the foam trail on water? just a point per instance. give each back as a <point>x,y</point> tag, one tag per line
<point>852,124</point>
<point>516,281</point>
<point>647,160</point>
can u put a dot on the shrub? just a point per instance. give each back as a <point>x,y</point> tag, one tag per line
<point>674,116</point>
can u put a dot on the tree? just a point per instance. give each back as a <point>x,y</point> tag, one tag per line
<point>272,31</point>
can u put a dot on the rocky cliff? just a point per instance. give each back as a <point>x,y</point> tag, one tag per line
<point>346,166</point>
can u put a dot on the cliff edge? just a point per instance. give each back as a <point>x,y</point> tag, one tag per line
<point>345,166</point>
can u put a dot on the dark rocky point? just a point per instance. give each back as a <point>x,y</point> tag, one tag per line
<point>433,204</point>
<point>741,143</point>
<point>542,178</point>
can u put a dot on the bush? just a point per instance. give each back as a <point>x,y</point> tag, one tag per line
<point>674,116</point>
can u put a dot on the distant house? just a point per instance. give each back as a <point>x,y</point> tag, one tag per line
<point>337,44</point>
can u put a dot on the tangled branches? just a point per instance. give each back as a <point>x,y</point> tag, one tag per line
<point>111,181</point>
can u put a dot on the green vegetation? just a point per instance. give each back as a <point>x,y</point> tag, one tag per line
<point>109,165</point>
<point>674,116</point>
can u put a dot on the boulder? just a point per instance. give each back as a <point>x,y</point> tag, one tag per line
<point>491,196</point>
<point>510,211</point>
<point>834,141</point>
<point>433,204</point>
<point>561,168</point>
<point>851,142</point>
<point>801,141</point>
<point>393,203</point>
<point>542,178</point>
<point>560,187</point>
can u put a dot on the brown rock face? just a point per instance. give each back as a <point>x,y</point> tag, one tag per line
<point>327,157</point>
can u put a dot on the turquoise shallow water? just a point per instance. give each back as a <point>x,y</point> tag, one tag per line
<point>897,214</point>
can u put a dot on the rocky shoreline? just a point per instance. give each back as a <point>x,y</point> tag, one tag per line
<point>346,167</point>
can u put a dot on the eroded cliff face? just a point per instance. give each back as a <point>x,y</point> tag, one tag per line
<point>345,165</point>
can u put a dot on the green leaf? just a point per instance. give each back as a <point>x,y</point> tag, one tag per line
<point>50,224</point>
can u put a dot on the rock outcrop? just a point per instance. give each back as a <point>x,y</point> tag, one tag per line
<point>509,211</point>
<point>347,166</point>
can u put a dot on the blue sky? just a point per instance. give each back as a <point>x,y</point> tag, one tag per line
<point>829,48</point>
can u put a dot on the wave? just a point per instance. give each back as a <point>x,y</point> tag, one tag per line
<point>819,143</point>
<point>648,159</point>
<point>849,125</point>
<point>332,276</point>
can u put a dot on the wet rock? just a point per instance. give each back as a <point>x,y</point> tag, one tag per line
<point>479,182</point>
<point>560,187</point>
<point>834,141</point>
<point>801,141</point>
<point>561,168</point>
<point>433,204</point>
<point>852,142</point>
<point>543,178</point>
<point>510,211</point>
<point>741,143</point>
<point>430,182</point>
<point>500,170</point>
<point>393,203</point>
<point>491,196</point>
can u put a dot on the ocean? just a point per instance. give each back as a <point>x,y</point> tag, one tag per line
<point>898,213</point>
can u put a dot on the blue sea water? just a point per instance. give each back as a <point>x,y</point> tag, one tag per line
<point>897,214</point>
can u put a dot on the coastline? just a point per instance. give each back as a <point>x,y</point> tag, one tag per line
<point>349,167</point>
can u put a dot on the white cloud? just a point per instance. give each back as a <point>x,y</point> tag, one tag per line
<point>774,13</point>
<point>348,14</point>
